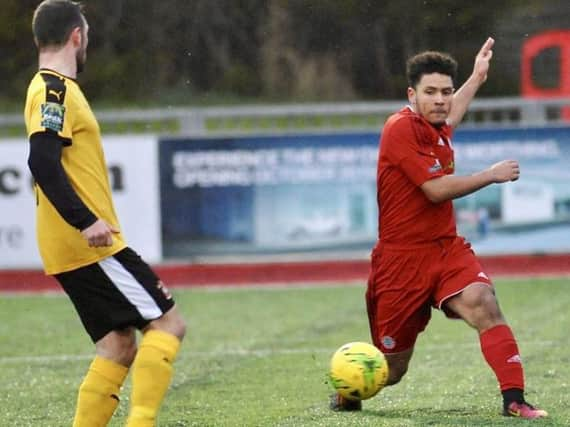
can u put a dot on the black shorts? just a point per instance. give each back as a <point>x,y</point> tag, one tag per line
<point>115,293</point>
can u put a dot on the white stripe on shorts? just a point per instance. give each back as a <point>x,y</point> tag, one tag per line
<point>130,288</point>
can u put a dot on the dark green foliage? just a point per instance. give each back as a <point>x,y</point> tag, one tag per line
<point>147,52</point>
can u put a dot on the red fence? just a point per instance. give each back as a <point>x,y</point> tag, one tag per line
<point>191,275</point>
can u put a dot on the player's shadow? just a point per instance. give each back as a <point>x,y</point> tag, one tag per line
<point>430,416</point>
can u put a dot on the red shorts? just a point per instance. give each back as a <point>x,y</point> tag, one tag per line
<point>406,282</point>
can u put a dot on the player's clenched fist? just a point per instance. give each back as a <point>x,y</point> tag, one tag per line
<point>506,170</point>
<point>99,234</point>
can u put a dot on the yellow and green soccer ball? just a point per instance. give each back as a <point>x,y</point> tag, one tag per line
<point>358,371</point>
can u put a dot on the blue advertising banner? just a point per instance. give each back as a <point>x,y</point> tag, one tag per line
<point>267,194</point>
<point>531,215</point>
<point>272,194</point>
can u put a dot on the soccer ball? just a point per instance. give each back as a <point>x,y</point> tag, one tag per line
<point>358,371</point>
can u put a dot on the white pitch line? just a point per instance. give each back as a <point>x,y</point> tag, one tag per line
<point>185,355</point>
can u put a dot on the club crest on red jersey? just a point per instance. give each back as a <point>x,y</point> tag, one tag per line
<point>388,342</point>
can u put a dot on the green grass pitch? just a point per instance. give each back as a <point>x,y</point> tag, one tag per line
<point>258,356</point>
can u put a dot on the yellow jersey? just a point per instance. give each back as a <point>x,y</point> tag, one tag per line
<point>55,103</point>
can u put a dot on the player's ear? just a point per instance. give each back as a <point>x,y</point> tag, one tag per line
<point>76,36</point>
<point>412,95</point>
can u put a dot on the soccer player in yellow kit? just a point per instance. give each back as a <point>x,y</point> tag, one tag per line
<point>113,290</point>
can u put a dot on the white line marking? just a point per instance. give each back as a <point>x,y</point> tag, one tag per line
<point>249,352</point>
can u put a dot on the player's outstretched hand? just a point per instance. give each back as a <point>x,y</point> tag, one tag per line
<point>483,59</point>
<point>99,234</point>
<point>507,170</point>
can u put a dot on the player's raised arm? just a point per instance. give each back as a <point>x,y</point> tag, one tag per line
<point>462,98</point>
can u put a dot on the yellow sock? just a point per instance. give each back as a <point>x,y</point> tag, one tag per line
<point>151,375</point>
<point>99,393</point>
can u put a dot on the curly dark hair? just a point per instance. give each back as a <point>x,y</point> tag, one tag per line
<point>430,62</point>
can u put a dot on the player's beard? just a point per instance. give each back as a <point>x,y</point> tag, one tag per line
<point>440,117</point>
<point>80,59</point>
<point>438,123</point>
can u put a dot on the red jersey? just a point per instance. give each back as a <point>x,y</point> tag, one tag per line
<point>412,151</point>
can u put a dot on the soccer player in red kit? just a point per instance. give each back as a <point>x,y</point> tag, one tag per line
<point>419,261</point>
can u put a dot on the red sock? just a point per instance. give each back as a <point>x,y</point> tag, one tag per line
<point>502,354</point>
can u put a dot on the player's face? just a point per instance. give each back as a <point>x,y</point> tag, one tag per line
<point>432,97</point>
<point>81,55</point>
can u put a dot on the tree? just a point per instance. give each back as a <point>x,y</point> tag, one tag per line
<point>145,52</point>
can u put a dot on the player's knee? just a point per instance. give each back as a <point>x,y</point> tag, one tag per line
<point>125,351</point>
<point>179,328</point>
<point>487,298</point>
<point>118,346</point>
<point>489,307</point>
<point>127,354</point>
<point>480,297</point>
<point>172,323</point>
<point>479,307</point>
<point>177,325</point>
